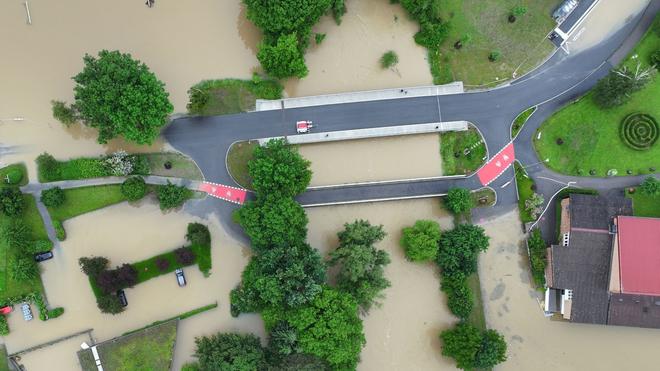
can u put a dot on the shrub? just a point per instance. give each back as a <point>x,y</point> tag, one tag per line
<point>134,188</point>
<point>162,264</point>
<point>459,296</point>
<point>494,56</point>
<point>459,200</point>
<point>319,37</point>
<point>62,113</point>
<point>4,326</point>
<point>534,205</point>
<point>93,266</point>
<point>389,59</point>
<point>420,242</point>
<point>537,257</point>
<point>518,11</point>
<point>40,246</point>
<point>184,256</point>
<point>48,167</point>
<point>17,235</point>
<point>639,131</point>
<point>53,197</point>
<point>14,176</point>
<point>60,232</point>
<point>282,57</point>
<point>56,312</point>
<point>11,201</point>
<point>650,186</point>
<point>119,163</point>
<point>140,165</point>
<point>109,304</point>
<point>655,59</point>
<point>171,196</point>
<point>198,234</point>
<point>23,268</point>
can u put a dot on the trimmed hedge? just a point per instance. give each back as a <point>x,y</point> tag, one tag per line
<point>639,131</point>
<point>537,257</point>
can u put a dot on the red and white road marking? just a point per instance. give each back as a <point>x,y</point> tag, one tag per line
<point>497,165</point>
<point>227,193</point>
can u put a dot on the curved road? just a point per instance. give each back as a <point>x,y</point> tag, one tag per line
<point>558,81</point>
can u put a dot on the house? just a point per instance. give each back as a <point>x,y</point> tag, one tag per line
<point>606,267</point>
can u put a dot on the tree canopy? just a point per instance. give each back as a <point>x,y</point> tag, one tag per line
<point>276,17</point>
<point>278,168</point>
<point>283,58</point>
<point>460,248</point>
<point>420,242</point>
<point>11,201</point>
<point>230,352</point>
<point>650,186</point>
<point>119,96</point>
<point>471,348</point>
<point>617,87</point>
<point>459,200</point>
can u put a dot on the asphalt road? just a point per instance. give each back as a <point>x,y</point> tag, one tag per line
<point>557,82</point>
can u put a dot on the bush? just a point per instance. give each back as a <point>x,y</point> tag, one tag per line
<point>459,296</point>
<point>4,326</point>
<point>283,58</point>
<point>198,234</point>
<point>471,348</point>
<point>459,200</point>
<point>655,59</point>
<point>518,11</point>
<point>420,242</point>
<point>109,304</point>
<point>119,163</point>
<point>23,268</point>
<point>171,196</point>
<point>60,232</point>
<point>13,176</point>
<point>53,197</point>
<point>40,246</point>
<point>639,131</point>
<point>184,256</point>
<point>93,266</point>
<point>162,264</point>
<point>230,351</point>
<point>112,280</point>
<point>389,59</point>
<point>48,167</point>
<point>11,201</point>
<point>650,187</point>
<point>318,38</point>
<point>17,235</point>
<point>534,205</point>
<point>62,113</point>
<point>494,56</point>
<point>134,188</point>
<point>56,312</point>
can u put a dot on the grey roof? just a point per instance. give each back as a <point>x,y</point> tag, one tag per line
<point>596,212</point>
<point>634,310</point>
<point>554,300</point>
<point>584,267</point>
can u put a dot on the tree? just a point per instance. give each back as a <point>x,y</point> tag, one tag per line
<point>459,296</point>
<point>420,242</point>
<point>62,113</point>
<point>288,276</point>
<point>492,351</point>
<point>134,188</point>
<point>283,58</point>
<point>459,249</point>
<point>171,195</point>
<point>230,352</point>
<point>278,168</point>
<point>389,59</point>
<point>119,96</point>
<point>650,186</point>
<point>328,327</point>
<point>283,339</point>
<point>361,266</point>
<point>23,268</point>
<point>49,169</point>
<point>53,197</point>
<point>17,235</point>
<point>198,234</point>
<point>285,16</point>
<point>617,87</point>
<point>300,362</point>
<point>459,200</point>
<point>534,205</point>
<point>93,266</point>
<point>11,201</point>
<point>462,343</point>
<point>109,304</point>
<point>273,222</point>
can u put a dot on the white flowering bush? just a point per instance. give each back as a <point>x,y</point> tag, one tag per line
<point>119,163</point>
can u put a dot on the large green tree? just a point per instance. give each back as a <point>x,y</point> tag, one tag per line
<point>230,352</point>
<point>120,96</point>
<point>492,350</point>
<point>276,17</point>
<point>361,266</point>
<point>283,58</point>
<point>420,242</point>
<point>618,86</point>
<point>471,348</point>
<point>278,169</point>
<point>459,200</point>
<point>328,327</point>
<point>460,248</point>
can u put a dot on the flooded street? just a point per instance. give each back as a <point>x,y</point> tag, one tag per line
<point>403,333</point>
<point>535,342</point>
<point>402,157</point>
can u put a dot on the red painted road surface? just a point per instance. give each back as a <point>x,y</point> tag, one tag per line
<point>227,193</point>
<point>497,165</point>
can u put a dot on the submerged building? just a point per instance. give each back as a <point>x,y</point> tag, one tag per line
<point>606,268</point>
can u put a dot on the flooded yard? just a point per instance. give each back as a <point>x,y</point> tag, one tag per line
<point>402,157</point>
<point>537,343</point>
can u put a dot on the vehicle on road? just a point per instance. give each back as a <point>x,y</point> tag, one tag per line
<point>180,278</point>
<point>6,310</point>
<point>303,127</point>
<point>27,311</point>
<point>42,256</point>
<point>122,298</point>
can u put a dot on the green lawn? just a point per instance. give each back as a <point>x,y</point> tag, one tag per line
<point>148,349</point>
<point>14,169</point>
<point>523,42</point>
<point>86,199</point>
<point>147,269</point>
<point>520,120</point>
<point>644,205</point>
<point>525,191</point>
<point>590,142</point>
<point>181,316</point>
<point>237,162</point>
<point>232,95</point>
<point>181,166</point>
<point>452,149</point>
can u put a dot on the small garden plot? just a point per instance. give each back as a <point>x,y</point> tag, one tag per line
<point>13,175</point>
<point>526,189</point>
<point>463,152</point>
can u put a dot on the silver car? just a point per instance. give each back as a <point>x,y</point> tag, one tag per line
<point>180,278</point>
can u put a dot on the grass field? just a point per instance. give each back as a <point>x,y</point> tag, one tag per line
<point>452,149</point>
<point>644,205</point>
<point>86,199</point>
<point>232,95</point>
<point>520,120</point>
<point>522,43</point>
<point>181,166</point>
<point>237,162</point>
<point>13,169</point>
<point>590,143</point>
<point>148,349</point>
<point>525,191</point>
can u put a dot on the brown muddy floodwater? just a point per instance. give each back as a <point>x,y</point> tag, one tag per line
<point>401,157</point>
<point>113,232</point>
<point>403,333</point>
<point>535,342</point>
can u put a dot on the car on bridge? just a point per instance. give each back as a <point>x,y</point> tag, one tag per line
<point>303,127</point>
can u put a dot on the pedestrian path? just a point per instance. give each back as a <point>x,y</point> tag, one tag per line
<point>223,192</point>
<point>497,165</point>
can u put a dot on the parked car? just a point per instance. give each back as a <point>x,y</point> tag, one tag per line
<point>42,256</point>
<point>27,311</point>
<point>6,310</point>
<point>122,298</point>
<point>180,278</point>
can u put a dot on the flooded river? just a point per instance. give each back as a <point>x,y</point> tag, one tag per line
<point>535,342</point>
<point>402,157</point>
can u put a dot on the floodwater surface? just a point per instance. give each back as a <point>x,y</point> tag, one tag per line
<point>401,157</point>
<point>536,342</point>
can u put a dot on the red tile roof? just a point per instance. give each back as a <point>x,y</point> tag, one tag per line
<point>639,254</point>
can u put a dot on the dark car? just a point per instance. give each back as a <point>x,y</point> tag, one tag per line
<point>41,256</point>
<point>122,298</point>
<point>180,278</point>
